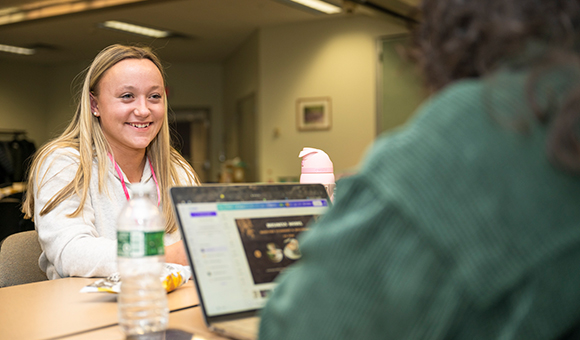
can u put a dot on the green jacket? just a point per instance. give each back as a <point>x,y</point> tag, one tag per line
<point>456,227</point>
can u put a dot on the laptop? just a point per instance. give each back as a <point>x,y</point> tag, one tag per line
<point>238,239</point>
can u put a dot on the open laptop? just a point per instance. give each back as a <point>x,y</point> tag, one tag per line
<point>238,239</point>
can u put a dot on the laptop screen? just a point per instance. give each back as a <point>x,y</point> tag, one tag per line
<point>239,238</point>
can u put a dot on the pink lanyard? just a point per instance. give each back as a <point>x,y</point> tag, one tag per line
<point>123,180</point>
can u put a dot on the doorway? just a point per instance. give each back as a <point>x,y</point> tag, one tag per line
<point>190,128</point>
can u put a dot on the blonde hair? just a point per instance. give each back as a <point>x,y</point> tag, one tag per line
<point>84,134</point>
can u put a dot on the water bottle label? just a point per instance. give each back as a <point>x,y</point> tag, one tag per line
<point>140,243</point>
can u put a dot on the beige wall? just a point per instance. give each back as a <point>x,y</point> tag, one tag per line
<point>335,58</point>
<point>200,85</point>
<point>65,82</point>
<point>241,78</point>
<point>23,97</point>
<point>37,99</point>
<point>41,99</point>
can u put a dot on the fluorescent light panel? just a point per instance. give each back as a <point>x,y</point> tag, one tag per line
<point>320,6</point>
<point>16,50</point>
<point>135,29</point>
<point>51,8</point>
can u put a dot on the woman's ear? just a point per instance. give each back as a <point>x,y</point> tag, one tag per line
<point>94,106</point>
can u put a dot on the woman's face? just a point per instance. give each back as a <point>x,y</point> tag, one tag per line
<point>130,104</point>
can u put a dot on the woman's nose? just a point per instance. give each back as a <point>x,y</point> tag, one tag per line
<point>142,108</point>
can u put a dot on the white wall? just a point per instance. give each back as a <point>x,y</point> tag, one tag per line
<point>336,58</point>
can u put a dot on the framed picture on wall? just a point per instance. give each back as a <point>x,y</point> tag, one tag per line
<point>313,114</point>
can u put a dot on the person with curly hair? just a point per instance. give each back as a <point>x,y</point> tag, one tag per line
<point>464,223</point>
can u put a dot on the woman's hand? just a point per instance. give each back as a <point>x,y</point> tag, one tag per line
<point>175,253</point>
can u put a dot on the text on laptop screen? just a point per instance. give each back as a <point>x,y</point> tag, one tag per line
<point>238,248</point>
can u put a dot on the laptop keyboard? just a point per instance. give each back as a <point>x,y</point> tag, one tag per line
<point>246,328</point>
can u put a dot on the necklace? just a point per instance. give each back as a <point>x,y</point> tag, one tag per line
<point>123,179</point>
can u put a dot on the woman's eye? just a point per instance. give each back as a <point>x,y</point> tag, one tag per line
<point>156,96</point>
<point>126,96</point>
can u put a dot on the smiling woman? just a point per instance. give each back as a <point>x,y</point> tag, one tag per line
<point>79,182</point>
<point>130,104</point>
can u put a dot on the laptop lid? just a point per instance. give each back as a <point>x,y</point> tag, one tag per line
<point>238,238</point>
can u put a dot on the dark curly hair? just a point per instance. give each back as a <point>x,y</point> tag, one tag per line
<point>458,39</point>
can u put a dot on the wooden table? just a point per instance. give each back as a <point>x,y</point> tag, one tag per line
<point>57,309</point>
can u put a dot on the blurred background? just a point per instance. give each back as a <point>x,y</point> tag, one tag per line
<point>238,72</point>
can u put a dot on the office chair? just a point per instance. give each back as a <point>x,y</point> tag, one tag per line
<point>19,255</point>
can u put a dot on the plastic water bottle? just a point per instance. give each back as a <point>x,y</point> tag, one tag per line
<point>142,302</point>
<point>317,168</point>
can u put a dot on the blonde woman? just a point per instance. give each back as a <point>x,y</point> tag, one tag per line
<point>79,182</point>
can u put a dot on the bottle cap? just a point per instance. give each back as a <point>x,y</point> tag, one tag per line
<point>315,161</point>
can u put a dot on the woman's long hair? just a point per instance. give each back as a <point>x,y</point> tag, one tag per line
<point>459,39</point>
<point>84,134</point>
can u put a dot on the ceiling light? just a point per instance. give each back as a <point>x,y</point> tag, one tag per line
<point>17,50</point>
<point>135,29</point>
<point>320,6</point>
<point>32,10</point>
